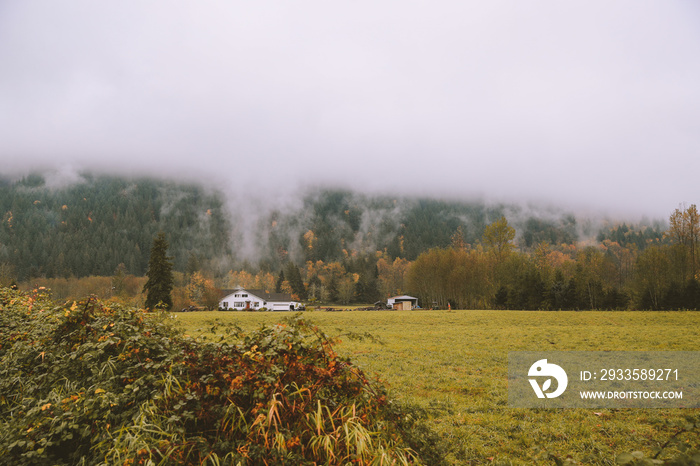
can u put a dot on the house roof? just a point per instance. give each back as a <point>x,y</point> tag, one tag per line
<point>402,297</point>
<point>262,294</point>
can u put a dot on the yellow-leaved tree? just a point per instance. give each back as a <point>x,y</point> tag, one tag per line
<point>498,239</point>
<point>684,231</point>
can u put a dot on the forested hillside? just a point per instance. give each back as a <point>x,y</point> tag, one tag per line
<point>333,224</point>
<point>340,246</point>
<point>90,227</point>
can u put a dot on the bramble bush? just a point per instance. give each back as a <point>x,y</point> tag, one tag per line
<point>89,382</point>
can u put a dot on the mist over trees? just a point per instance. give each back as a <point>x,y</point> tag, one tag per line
<point>93,226</point>
<point>340,246</point>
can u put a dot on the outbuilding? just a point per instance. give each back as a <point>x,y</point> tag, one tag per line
<point>402,303</point>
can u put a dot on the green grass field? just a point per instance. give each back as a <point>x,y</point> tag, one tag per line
<point>454,363</point>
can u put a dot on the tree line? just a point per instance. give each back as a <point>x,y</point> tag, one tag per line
<point>630,268</point>
<point>493,273</point>
<point>660,275</point>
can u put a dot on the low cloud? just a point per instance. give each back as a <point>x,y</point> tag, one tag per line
<point>578,104</point>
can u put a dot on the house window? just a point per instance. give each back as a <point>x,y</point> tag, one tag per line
<point>225,305</point>
<point>238,304</point>
<point>244,296</point>
<point>257,304</point>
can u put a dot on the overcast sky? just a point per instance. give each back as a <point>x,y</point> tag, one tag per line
<point>579,103</point>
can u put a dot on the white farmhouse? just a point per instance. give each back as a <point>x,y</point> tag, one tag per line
<point>241,299</point>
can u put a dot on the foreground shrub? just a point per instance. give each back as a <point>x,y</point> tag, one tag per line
<point>95,383</point>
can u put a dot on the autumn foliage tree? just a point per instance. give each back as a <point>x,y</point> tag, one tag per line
<point>201,290</point>
<point>457,277</point>
<point>392,275</point>
<point>652,277</point>
<point>684,232</point>
<point>498,238</point>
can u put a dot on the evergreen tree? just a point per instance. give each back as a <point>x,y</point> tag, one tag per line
<point>293,276</point>
<point>501,298</point>
<point>332,289</point>
<point>367,286</point>
<point>192,264</point>
<point>118,280</point>
<point>280,281</point>
<point>691,295</point>
<point>160,276</point>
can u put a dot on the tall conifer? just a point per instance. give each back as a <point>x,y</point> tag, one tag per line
<point>160,276</point>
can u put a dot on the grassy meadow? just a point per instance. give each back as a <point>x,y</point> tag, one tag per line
<point>454,364</point>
